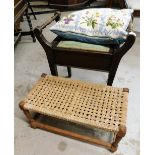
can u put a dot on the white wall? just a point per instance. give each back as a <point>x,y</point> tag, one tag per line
<point>134,4</point>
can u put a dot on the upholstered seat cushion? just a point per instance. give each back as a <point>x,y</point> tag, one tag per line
<point>97,26</point>
<point>82,46</point>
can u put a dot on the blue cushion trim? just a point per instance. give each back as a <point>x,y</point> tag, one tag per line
<point>87,39</point>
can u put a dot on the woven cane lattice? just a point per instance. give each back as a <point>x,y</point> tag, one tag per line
<point>85,103</point>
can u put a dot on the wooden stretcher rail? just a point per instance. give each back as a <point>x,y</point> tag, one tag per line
<point>77,136</point>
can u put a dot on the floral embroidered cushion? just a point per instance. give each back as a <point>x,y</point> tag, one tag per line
<point>97,26</point>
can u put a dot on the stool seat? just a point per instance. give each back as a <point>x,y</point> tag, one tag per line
<point>82,46</point>
<point>94,105</point>
<point>70,53</point>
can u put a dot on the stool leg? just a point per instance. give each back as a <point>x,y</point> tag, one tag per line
<point>52,65</point>
<point>111,77</point>
<point>121,133</point>
<point>28,115</point>
<point>53,69</point>
<point>30,25</point>
<point>69,71</point>
<point>113,70</point>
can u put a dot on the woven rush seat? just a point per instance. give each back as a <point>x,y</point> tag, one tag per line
<point>93,105</point>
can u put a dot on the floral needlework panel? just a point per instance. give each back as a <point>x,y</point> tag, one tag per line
<point>95,25</point>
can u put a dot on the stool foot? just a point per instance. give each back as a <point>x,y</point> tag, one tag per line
<point>121,133</point>
<point>113,149</point>
<point>33,124</point>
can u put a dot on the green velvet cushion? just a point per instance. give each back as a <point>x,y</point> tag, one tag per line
<point>82,46</point>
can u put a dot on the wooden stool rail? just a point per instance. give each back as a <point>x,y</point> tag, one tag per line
<point>87,104</point>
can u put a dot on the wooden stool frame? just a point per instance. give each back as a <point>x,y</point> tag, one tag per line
<point>34,123</point>
<point>102,61</point>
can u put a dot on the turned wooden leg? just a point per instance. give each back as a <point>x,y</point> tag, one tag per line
<point>26,112</point>
<point>121,133</point>
<point>33,124</point>
<point>30,26</point>
<point>30,7</point>
<point>69,71</point>
<point>28,115</point>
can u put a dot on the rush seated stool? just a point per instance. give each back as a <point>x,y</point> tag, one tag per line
<point>83,55</point>
<point>87,104</point>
